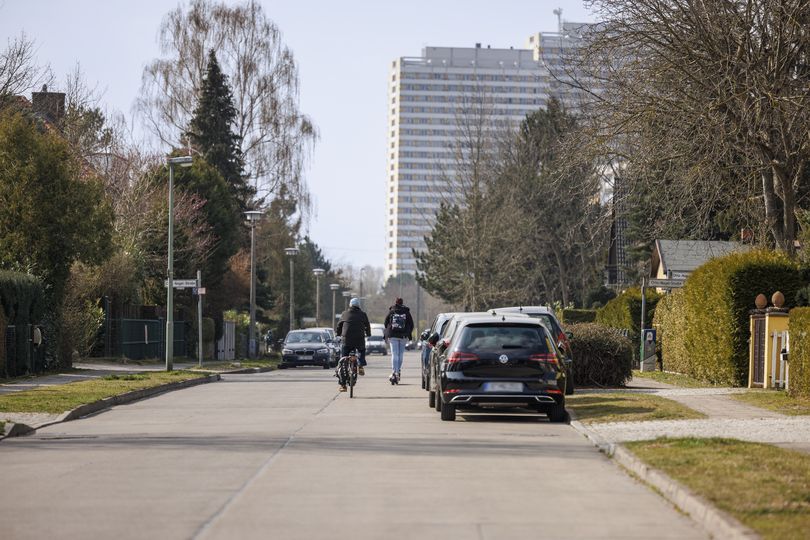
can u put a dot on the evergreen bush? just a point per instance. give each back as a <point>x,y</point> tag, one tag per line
<point>23,301</point>
<point>799,385</point>
<point>601,356</point>
<point>670,323</point>
<point>624,312</point>
<point>574,316</point>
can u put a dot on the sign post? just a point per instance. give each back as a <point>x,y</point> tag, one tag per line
<point>200,292</point>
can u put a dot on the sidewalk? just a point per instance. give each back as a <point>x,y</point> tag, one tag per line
<point>727,417</point>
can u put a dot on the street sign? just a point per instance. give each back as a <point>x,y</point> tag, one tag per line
<point>666,283</point>
<point>198,290</point>
<point>679,274</point>
<point>181,283</point>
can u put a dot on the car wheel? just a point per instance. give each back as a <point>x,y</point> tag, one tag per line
<point>557,413</point>
<point>431,399</point>
<point>569,385</point>
<point>439,404</point>
<point>423,382</point>
<point>448,412</point>
<point>282,366</point>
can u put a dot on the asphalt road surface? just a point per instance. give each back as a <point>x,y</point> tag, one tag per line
<point>283,455</point>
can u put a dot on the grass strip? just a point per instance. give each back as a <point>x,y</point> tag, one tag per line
<point>776,400</point>
<point>64,397</point>
<point>675,379</point>
<point>765,487</point>
<point>627,407</point>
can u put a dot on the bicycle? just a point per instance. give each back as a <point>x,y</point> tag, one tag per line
<point>347,370</point>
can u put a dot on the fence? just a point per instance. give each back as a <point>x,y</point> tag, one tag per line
<point>137,339</point>
<point>22,355</point>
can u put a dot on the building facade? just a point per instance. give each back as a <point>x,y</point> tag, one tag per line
<point>427,95</point>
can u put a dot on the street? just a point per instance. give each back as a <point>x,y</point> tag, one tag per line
<point>284,455</point>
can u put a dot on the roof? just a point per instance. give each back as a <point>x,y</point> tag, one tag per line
<point>485,319</point>
<point>687,255</point>
<point>526,309</point>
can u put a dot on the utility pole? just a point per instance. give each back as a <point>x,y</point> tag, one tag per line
<point>199,319</point>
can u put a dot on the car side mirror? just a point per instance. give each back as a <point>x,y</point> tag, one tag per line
<point>424,335</point>
<point>433,339</point>
<point>569,335</point>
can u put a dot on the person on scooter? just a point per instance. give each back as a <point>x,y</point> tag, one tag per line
<point>354,327</point>
<point>398,330</point>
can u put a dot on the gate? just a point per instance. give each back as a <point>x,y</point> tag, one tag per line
<point>226,346</point>
<point>758,347</point>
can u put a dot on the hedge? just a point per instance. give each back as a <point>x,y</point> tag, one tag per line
<point>601,356</point>
<point>574,316</point>
<point>624,312</point>
<point>705,328</point>
<point>670,324</point>
<point>799,352</point>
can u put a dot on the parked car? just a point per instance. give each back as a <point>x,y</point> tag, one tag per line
<point>333,342</point>
<point>435,328</point>
<point>307,348</point>
<point>444,325</point>
<point>376,344</point>
<point>503,361</point>
<point>547,316</point>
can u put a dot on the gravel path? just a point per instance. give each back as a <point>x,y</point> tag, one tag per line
<point>727,417</point>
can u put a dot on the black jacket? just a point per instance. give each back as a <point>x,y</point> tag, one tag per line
<point>407,332</point>
<point>353,327</point>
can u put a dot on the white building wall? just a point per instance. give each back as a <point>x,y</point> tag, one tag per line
<point>425,95</point>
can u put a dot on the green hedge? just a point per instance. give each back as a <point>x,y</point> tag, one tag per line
<point>705,332</point>
<point>624,312</point>
<point>799,352</point>
<point>23,301</point>
<point>670,323</point>
<point>575,316</point>
<point>602,357</point>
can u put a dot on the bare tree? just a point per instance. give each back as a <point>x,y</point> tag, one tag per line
<point>717,92</point>
<point>19,71</point>
<point>276,137</point>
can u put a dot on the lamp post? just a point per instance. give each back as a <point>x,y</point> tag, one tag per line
<point>347,295</point>
<point>361,286</point>
<point>292,252</point>
<point>334,287</point>
<point>253,216</point>
<point>183,161</point>
<point>318,272</point>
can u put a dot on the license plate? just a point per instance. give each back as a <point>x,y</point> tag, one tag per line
<point>302,357</point>
<point>503,387</point>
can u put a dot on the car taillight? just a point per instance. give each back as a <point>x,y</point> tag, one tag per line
<point>461,357</point>
<point>548,358</point>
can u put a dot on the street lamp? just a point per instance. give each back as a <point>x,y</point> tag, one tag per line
<point>183,161</point>
<point>318,272</point>
<point>361,286</point>
<point>334,287</point>
<point>291,252</point>
<point>253,216</point>
<point>347,295</point>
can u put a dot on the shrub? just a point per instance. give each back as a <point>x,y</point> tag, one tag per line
<point>574,316</point>
<point>670,323</point>
<point>624,312</point>
<point>799,352</point>
<point>601,356</point>
<point>23,300</point>
<point>717,299</point>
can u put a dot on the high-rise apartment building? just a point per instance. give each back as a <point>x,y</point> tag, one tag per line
<point>426,96</point>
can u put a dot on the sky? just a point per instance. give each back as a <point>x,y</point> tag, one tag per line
<point>344,50</point>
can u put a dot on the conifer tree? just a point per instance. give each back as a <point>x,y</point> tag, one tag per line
<point>211,132</point>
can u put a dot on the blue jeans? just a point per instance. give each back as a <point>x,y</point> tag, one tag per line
<point>397,350</point>
<point>361,358</point>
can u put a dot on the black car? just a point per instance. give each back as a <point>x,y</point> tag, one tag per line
<point>376,344</point>
<point>501,362</point>
<point>307,348</point>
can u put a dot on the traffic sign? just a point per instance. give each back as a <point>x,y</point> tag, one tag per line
<point>667,283</point>
<point>181,283</point>
<point>198,290</point>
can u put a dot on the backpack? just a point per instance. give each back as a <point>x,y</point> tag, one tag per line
<point>398,322</point>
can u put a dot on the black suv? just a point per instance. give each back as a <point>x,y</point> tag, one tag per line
<point>499,362</point>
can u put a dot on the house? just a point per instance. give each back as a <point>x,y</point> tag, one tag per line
<point>676,259</point>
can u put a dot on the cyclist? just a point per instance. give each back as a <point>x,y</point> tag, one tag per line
<point>398,329</point>
<point>353,327</point>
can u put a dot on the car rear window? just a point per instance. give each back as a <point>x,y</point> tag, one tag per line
<point>548,320</point>
<point>499,337</point>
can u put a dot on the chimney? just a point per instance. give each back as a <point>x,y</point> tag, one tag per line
<point>50,105</point>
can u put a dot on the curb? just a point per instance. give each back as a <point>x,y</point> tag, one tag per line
<point>716,522</point>
<point>14,430</point>
<point>240,371</point>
